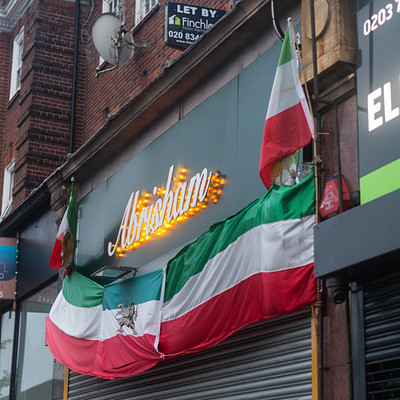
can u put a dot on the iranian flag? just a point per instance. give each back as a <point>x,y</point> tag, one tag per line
<point>288,125</point>
<point>109,331</point>
<point>63,250</point>
<point>256,264</point>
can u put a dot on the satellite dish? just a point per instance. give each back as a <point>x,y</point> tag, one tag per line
<point>112,40</point>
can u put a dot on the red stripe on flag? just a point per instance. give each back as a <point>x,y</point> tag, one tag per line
<point>122,350</point>
<point>264,295</point>
<point>284,133</point>
<point>55,258</point>
<point>85,356</point>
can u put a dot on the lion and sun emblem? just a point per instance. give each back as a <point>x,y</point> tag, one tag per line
<point>126,316</point>
<point>67,252</point>
<point>283,171</point>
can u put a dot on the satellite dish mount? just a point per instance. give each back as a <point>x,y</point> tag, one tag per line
<point>113,41</point>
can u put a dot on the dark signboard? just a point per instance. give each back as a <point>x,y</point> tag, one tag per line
<point>8,268</point>
<point>378,90</point>
<point>185,23</point>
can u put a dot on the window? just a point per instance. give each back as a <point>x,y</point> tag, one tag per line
<point>111,6</point>
<point>6,349</point>
<point>8,184</point>
<point>35,382</point>
<point>143,7</point>
<point>16,63</point>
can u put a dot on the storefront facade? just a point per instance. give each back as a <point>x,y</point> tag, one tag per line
<point>212,129</point>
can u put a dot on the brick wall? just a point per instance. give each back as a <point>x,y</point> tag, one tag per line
<point>109,91</point>
<point>35,124</point>
<point>37,120</point>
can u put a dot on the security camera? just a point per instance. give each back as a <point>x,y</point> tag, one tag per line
<point>337,289</point>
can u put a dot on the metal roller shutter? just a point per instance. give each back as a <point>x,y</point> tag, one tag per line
<point>382,338</point>
<point>267,360</point>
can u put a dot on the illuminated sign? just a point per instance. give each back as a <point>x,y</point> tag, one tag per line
<point>185,23</point>
<point>378,97</point>
<point>154,214</point>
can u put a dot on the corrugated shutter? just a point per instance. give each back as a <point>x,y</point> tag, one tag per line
<point>382,338</point>
<point>267,360</point>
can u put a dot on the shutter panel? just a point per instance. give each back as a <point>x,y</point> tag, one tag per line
<point>382,338</point>
<point>267,360</point>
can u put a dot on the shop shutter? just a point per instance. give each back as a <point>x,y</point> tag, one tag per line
<point>382,338</point>
<point>267,360</point>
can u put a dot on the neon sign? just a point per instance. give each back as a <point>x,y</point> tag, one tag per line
<point>154,214</point>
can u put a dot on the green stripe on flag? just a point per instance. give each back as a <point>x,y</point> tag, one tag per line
<point>278,204</point>
<point>286,52</point>
<point>81,291</point>
<point>71,212</point>
<point>139,289</point>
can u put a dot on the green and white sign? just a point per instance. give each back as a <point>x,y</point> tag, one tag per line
<point>378,82</point>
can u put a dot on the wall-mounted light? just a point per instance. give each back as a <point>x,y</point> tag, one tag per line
<point>114,272</point>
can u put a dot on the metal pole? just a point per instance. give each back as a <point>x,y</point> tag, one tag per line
<point>74,77</point>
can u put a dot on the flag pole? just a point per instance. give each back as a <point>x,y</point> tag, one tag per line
<point>316,158</point>
<point>317,307</point>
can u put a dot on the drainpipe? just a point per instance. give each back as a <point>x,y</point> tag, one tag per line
<point>275,21</point>
<point>74,77</point>
<point>333,104</point>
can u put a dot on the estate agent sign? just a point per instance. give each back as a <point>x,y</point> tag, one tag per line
<point>184,23</point>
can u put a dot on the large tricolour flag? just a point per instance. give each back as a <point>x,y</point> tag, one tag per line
<point>256,264</point>
<point>288,125</point>
<point>109,331</point>
<point>63,250</point>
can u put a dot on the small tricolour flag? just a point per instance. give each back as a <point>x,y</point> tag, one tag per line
<point>288,125</point>
<point>63,250</point>
<point>256,264</point>
<point>109,331</point>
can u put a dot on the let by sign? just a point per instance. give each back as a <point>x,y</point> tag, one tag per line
<point>184,23</point>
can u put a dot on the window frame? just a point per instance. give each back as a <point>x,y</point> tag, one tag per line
<point>110,6</point>
<point>16,68</point>
<point>8,185</point>
<point>143,8</point>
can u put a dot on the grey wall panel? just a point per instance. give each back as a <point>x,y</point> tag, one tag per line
<point>36,245</point>
<point>223,133</point>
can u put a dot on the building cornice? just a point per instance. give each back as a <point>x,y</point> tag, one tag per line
<point>11,12</point>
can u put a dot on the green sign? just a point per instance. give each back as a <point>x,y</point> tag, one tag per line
<point>378,92</point>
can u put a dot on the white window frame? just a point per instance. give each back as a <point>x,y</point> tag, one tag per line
<point>16,68</point>
<point>143,7</point>
<point>111,6</point>
<point>8,184</point>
